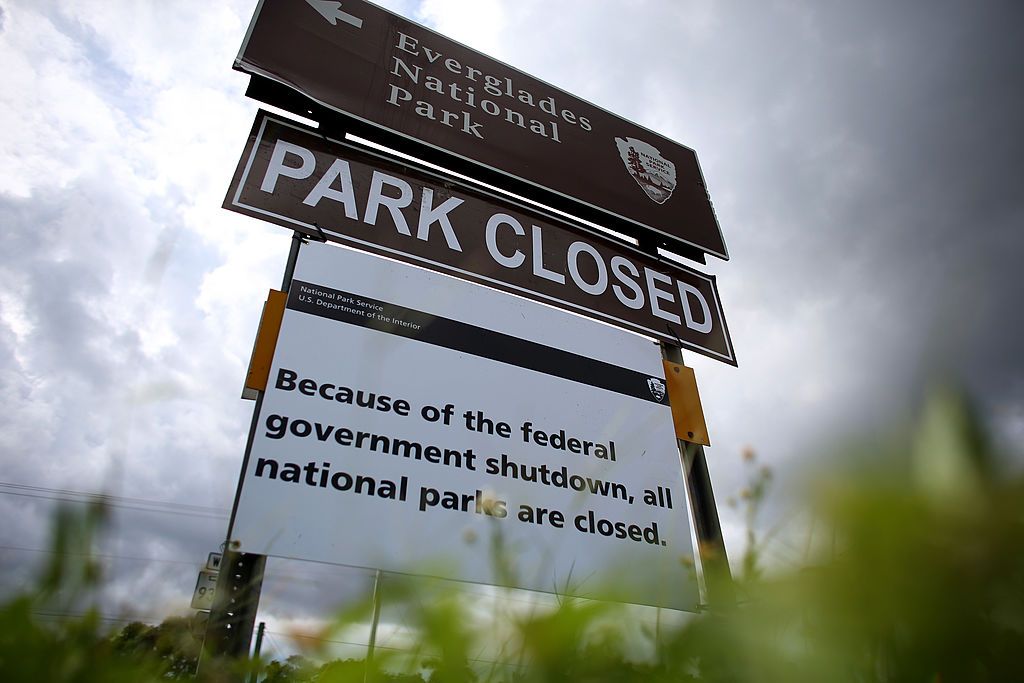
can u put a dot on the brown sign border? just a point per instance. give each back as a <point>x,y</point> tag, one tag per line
<point>234,202</point>
<point>302,91</point>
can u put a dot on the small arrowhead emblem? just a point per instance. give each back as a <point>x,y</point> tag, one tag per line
<point>332,12</point>
<point>655,174</point>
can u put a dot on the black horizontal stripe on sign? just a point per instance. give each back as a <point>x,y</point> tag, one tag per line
<point>382,316</point>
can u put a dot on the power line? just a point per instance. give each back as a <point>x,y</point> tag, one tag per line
<point>277,648</point>
<point>46,489</point>
<point>141,504</point>
<point>98,555</point>
<point>293,578</point>
<point>100,499</point>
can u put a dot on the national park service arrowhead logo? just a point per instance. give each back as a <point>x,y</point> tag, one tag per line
<point>655,174</point>
<point>657,387</point>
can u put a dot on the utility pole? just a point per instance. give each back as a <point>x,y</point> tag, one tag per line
<point>259,639</point>
<point>233,615</point>
<point>237,596</point>
<point>255,675</point>
<point>373,625</point>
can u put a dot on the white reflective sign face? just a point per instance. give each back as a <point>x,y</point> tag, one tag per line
<point>414,422</point>
<point>206,585</point>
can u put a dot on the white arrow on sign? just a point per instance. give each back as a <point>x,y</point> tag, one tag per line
<point>332,12</point>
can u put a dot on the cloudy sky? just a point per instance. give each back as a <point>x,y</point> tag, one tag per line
<point>864,160</point>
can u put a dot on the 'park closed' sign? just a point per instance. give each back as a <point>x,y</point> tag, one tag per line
<point>292,176</point>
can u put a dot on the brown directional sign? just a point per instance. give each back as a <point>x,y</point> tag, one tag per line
<point>293,176</point>
<point>378,70</point>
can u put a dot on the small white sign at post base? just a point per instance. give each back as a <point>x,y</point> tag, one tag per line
<point>414,423</point>
<point>213,561</point>
<point>206,585</point>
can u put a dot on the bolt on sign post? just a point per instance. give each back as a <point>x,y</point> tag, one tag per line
<point>293,176</point>
<point>402,84</point>
<point>411,419</point>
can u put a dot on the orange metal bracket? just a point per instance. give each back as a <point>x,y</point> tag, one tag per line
<point>266,343</point>
<point>687,413</point>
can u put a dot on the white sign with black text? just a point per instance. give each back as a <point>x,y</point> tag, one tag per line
<point>206,586</point>
<point>415,423</point>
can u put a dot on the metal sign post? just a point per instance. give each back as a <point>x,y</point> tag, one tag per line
<point>229,630</point>
<point>237,595</point>
<point>375,622</point>
<point>718,587</point>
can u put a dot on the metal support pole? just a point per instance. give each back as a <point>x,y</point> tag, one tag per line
<point>233,615</point>
<point>373,624</point>
<point>237,596</point>
<point>711,545</point>
<point>260,630</point>
<point>718,587</point>
<point>255,675</point>
<point>289,266</point>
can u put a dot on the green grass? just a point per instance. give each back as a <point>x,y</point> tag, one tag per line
<point>921,580</point>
